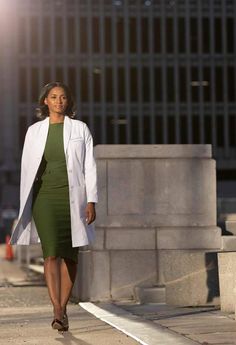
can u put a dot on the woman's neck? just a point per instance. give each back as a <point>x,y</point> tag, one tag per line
<point>56,118</point>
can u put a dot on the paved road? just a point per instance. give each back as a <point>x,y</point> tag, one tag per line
<point>26,314</point>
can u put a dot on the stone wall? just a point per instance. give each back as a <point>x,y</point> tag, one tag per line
<point>157,209</point>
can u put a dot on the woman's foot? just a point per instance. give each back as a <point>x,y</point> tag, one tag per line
<point>65,322</point>
<point>57,324</point>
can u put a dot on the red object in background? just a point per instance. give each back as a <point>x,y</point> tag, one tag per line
<point>9,251</point>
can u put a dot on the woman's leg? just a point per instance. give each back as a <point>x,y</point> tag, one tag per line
<point>52,276</point>
<point>68,269</point>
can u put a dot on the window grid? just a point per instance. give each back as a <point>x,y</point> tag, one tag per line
<point>178,98</point>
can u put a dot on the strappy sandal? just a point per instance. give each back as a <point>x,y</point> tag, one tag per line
<point>65,322</point>
<point>57,324</point>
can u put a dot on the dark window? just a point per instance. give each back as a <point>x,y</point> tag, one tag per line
<point>97,87</point>
<point>195,84</point>
<point>207,84</point>
<point>22,130</point>
<point>83,35</point>
<point>34,84</point>
<point>59,74</point>
<point>34,34</point>
<point>97,133</point>
<point>182,84</point>
<point>183,129</point>
<point>195,129</point>
<point>95,36</point>
<point>84,84</point>
<point>132,35</point>
<point>110,129</point>
<point>108,35</point>
<point>109,84</point>
<point>181,35</point>
<point>146,130</point>
<point>133,84</point>
<point>219,84</point>
<point>193,35</point>
<point>146,84</point>
<point>171,129</point>
<point>157,34</point>
<point>135,129</point>
<point>58,34</point>
<point>71,34</point>
<point>121,84</point>
<point>207,129</point>
<point>120,36</point>
<point>47,75</point>
<point>22,35</point>
<point>170,84</point>
<point>159,129</point>
<point>218,35</point>
<point>231,83</point>
<point>158,84</point>
<point>205,35</point>
<point>46,34</point>
<point>232,130</point>
<point>122,130</point>
<point>144,33</point>
<point>23,85</point>
<point>230,34</point>
<point>72,80</point>
<point>169,35</point>
<point>220,130</point>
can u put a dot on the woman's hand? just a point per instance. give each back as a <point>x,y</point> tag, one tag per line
<point>90,212</point>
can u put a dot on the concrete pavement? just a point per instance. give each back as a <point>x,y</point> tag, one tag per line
<point>26,315</point>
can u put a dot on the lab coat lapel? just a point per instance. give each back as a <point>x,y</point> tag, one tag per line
<point>42,137</point>
<point>66,132</point>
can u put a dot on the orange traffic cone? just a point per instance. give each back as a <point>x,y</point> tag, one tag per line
<point>9,251</point>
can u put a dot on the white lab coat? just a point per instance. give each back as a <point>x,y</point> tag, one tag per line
<point>82,178</point>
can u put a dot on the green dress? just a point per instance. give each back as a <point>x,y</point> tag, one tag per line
<point>50,206</point>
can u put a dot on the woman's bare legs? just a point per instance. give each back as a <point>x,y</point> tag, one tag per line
<point>52,276</point>
<point>68,269</point>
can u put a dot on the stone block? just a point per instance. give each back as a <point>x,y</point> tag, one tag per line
<point>152,151</point>
<point>188,197</point>
<point>130,269</point>
<point>228,243</point>
<point>99,239</point>
<point>99,276</point>
<point>190,277</point>
<point>230,226</point>
<point>189,238</point>
<point>153,294</point>
<point>101,206</point>
<point>227,276</point>
<point>130,239</point>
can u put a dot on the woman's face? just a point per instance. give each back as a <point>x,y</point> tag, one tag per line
<point>56,101</point>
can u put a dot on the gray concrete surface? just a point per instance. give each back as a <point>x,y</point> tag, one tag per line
<point>227,279</point>
<point>152,198</point>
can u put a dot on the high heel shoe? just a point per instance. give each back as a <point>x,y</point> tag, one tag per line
<point>65,322</point>
<point>57,324</point>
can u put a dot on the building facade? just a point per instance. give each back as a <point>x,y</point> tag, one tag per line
<point>142,72</point>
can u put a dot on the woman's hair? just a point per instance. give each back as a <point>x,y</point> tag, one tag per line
<point>42,111</point>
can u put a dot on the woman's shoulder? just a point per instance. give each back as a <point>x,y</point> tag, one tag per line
<point>36,125</point>
<point>78,123</point>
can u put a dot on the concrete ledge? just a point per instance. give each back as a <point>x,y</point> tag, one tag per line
<point>153,151</point>
<point>228,243</point>
<point>131,239</point>
<point>189,238</point>
<point>227,277</point>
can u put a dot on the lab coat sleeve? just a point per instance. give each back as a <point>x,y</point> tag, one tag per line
<point>90,169</point>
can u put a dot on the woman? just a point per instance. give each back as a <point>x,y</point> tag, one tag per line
<point>58,192</point>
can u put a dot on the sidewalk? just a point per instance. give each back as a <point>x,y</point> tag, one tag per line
<point>26,315</point>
